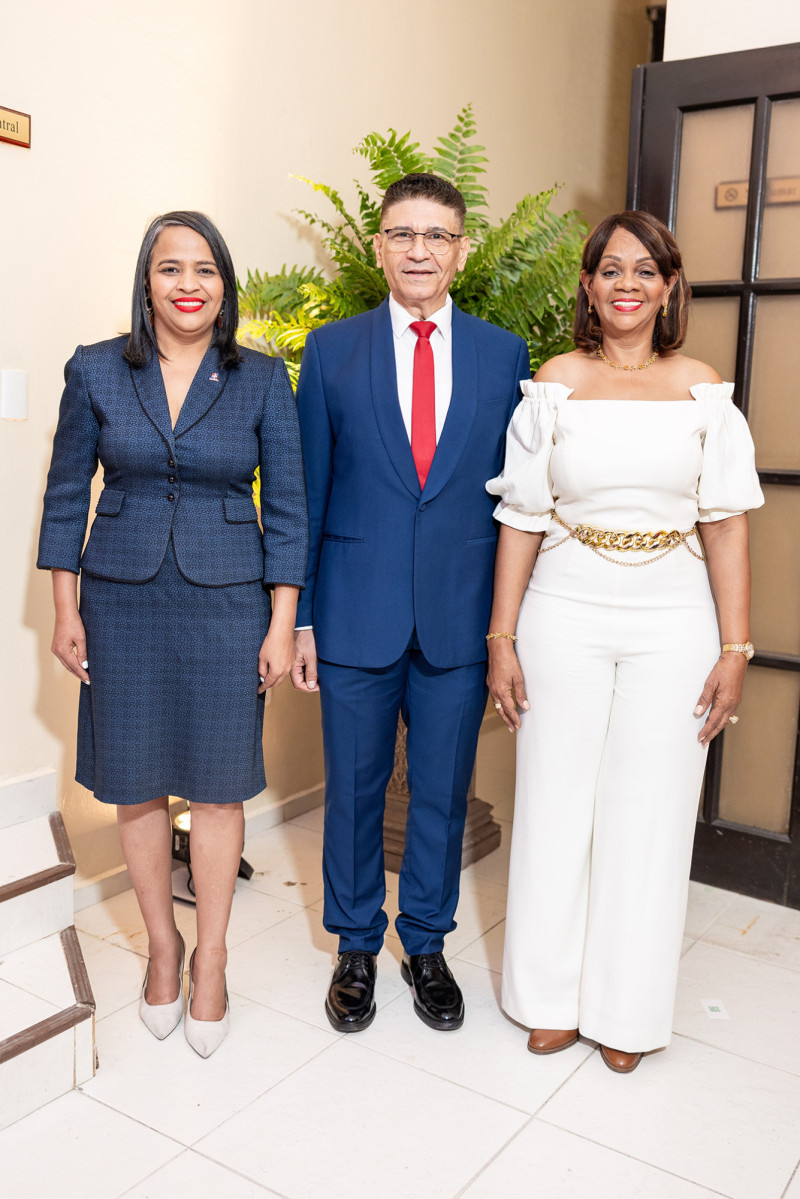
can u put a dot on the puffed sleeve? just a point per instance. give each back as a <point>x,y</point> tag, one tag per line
<point>728,482</point>
<point>524,486</point>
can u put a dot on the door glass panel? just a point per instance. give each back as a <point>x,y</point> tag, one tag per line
<point>775,555</point>
<point>780,244</point>
<point>712,191</point>
<point>774,413</point>
<point>713,330</point>
<point>758,758</point>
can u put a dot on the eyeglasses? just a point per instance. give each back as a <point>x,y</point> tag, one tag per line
<point>438,241</point>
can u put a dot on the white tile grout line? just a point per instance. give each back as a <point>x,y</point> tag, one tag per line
<point>750,957</point>
<point>742,1057</point>
<point>791,1180</point>
<point>642,1161</point>
<point>520,1130</point>
<point>267,1190</point>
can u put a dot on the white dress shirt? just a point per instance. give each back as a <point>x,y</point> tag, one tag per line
<point>405,341</point>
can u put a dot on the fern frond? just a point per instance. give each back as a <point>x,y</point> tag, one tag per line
<point>457,159</point>
<point>337,202</point>
<point>392,157</point>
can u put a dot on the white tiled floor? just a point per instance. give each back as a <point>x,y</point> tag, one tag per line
<point>288,1108</point>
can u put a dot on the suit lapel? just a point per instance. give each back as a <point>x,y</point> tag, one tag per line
<point>463,405</point>
<point>207,386</point>
<point>149,386</point>
<point>383,382</point>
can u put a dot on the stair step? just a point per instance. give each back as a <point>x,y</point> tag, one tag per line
<point>26,798</point>
<point>36,869</point>
<point>46,1024</point>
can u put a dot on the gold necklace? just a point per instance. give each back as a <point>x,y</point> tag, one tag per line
<point>619,366</point>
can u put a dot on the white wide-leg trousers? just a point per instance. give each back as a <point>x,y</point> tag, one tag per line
<point>609,772</point>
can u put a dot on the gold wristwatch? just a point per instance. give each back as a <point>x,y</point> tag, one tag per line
<point>739,647</point>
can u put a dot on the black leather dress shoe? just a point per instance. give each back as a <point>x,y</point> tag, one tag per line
<point>350,1002</point>
<point>437,996</point>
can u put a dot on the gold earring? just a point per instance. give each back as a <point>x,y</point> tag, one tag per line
<point>664,310</point>
<point>590,308</point>
<point>220,316</point>
<point>148,303</point>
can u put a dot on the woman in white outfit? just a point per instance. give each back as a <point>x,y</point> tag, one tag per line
<point>627,464</point>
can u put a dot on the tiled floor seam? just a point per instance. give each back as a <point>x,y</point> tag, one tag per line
<point>750,957</point>
<point>479,1173</point>
<point>81,1090</point>
<point>443,1078</point>
<point>641,1161</point>
<point>193,1145</point>
<point>795,1172</point>
<point>235,1173</point>
<point>742,1057</point>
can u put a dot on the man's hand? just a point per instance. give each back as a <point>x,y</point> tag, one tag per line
<point>304,670</point>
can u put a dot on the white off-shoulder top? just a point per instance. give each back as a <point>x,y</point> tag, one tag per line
<point>638,465</point>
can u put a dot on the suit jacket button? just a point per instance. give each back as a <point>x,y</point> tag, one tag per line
<point>170,497</point>
<point>170,462</point>
<point>171,479</point>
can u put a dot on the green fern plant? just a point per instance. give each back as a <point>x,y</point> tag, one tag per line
<point>521,273</point>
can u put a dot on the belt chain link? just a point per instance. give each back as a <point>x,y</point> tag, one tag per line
<point>598,540</point>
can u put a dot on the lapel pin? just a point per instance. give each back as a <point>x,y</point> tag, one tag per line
<point>213,378</point>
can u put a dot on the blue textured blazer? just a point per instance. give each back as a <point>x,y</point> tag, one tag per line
<point>385,557</point>
<point>192,484</point>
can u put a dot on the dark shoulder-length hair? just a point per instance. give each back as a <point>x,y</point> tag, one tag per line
<point>142,343</point>
<point>670,330</point>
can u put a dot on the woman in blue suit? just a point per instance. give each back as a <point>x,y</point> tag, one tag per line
<point>173,637</point>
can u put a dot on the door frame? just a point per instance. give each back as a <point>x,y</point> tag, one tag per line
<point>737,857</point>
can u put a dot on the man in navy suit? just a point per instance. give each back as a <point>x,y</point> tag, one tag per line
<point>403,412</point>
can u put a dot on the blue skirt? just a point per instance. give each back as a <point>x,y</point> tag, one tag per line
<point>173,706</point>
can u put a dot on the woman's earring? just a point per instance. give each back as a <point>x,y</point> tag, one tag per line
<point>590,308</point>
<point>220,316</point>
<point>664,310</point>
<point>148,303</point>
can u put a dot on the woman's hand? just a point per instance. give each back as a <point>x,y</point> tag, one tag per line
<point>275,657</point>
<point>722,693</point>
<point>69,644</point>
<point>506,684</point>
<point>69,635</point>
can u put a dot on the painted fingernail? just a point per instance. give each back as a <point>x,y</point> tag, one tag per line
<point>261,677</point>
<point>85,682</point>
<point>526,707</point>
<point>85,665</point>
<point>698,710</point>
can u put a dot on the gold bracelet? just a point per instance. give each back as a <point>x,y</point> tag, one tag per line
<point>508,636</point>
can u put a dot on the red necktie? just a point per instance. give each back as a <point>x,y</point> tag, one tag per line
<point>423,401</point>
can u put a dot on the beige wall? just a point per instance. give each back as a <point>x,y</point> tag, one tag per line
<point>141,107</point>
<point>699,27</point>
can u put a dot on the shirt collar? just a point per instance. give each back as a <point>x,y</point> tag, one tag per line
<point>401,319</point>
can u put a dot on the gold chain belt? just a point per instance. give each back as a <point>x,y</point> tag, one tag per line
<point>605,539</point>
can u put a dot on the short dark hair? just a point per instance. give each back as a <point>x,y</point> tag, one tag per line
<point>422,186</point>
<point>670,331</point>
<point>142,341</point>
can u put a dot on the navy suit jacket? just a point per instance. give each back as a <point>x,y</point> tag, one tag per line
<point>386,558</point>
<point>192,484</point>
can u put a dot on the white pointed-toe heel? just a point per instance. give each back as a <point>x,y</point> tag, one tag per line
<point>205,1036</point>
<point>162,1018</point>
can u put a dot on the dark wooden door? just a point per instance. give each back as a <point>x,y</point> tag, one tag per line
<point>715,153</point>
